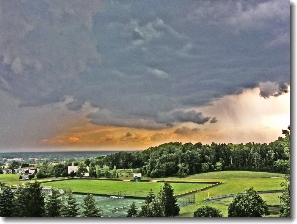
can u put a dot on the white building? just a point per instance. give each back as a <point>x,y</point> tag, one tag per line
<point>72,168</point>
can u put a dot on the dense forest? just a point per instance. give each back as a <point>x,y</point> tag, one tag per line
<point>177,159</point>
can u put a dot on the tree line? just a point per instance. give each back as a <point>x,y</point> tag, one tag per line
<point>177,159</point>
<point>30,201</point>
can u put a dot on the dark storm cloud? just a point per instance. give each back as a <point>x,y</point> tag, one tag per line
<point>213,120</point>
<point>190,116</point>
<point>75,105</point>
<point>182,117</point>
<point>268,89</point>
<point>142,64</point>
<point>185,130</point>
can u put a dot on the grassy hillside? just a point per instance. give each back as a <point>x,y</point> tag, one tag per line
<point>231,175</point>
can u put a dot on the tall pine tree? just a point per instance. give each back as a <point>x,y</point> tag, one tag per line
<point>70,207</point>
<point>149,198</point>
<point>6,202</point>
<point>28,201</point>
<point>53,204</point>
<point>169,201</point>
<point>132,211</point>
<point>90,207</point>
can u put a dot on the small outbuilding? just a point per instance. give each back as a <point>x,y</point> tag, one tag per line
<point>137,177</point>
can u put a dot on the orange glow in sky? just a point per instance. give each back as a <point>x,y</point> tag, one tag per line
<point>242,118</point>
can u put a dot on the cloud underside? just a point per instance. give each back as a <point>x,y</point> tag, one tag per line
<point>144,65</point>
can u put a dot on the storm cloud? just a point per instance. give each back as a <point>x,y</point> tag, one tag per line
<point>182,116</point>
<point>268,89</point>
<point>142,64</point>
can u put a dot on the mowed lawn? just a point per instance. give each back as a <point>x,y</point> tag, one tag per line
<point>234,182</point>
<point>10,179</point>
<point>229,175</point>
<point>109,187</point>
<point>13,180</point>
<point>222,205</point>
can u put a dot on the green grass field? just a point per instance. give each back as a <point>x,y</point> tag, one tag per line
<point>222,205</point>
<point>13,179</point>
<point>10,179</point>
<point>233,182</point>
<point>109,187</point>
<point>229,175</point>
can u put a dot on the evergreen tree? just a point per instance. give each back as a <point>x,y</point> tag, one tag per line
<point>19,201</point>
<point>169,201</point>
<point>149,198</point>
<point>28,201</point>
<point>132,211</point>
<point>90,207</point>
<point>207,211</point>
<point>248,204</point>
<point>6,202</point>
<point>53,204</point>
<point>70,207</point>
<point>36,203</point>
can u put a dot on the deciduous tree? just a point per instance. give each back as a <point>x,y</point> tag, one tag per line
<point>248,204</point>
<point>207,211</point>
<point>45,170</point>
<point>14,165</point>
<point>60,170</point>
<point>285,198</point>
<point>81,169</point>
<point>92,170</point>
<point>152,209</point>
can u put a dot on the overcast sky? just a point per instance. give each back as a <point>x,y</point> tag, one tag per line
<point>78,74</point>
